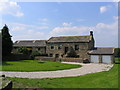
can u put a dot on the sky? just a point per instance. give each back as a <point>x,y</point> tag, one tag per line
<point>42,20</point>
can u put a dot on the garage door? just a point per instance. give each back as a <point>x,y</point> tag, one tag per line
<point>106,59</point>
<point>95,58</point>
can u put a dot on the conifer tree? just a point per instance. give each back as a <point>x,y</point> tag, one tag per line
<point>6,41</point>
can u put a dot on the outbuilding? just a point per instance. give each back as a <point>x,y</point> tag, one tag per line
<point>31,45</point>
<point>102,55</point>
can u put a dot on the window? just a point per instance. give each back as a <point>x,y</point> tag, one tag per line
<point>52,46</point>
<point>76,47</point>
<point>57,55</point>
<point>51,55</point>
<point>59,46</point>
<point>38,48</point>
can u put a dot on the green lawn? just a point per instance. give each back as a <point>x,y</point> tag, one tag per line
<point>107,79</point>
<point>34,65</point>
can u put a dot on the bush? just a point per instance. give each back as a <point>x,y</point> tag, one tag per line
<point>35,53</point>
<point>71,53</point>
<point>23,50</point>
<point>117,52</point>
<point>43,54</point>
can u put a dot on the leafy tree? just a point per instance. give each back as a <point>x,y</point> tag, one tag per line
<point>34,53</point>
<point>71,53</point>
<point>6,41</point>
<point>117,52</point>
<point>23,50</point>
<point>0,46</point>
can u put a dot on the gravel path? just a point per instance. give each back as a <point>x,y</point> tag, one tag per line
<point>85,69</point>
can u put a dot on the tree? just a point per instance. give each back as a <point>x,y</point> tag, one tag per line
<point>34,53</point>
<point>71,53</point>
<point>117,52</point>
<point>23,50</point>
<point>0,45</point>
<point>6,41</point>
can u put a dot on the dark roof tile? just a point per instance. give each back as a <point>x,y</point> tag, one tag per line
<point>102,51</point>
<point>70,39</point>
<point>30,43</point>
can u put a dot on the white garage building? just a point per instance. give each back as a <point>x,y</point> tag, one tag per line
<point>102,55</point>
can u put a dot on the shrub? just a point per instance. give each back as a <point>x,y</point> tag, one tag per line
<point>23,50</point>
<point>71,53</point>
<point>117,52</point>
<point>35,53</point>
<point>43,54</point>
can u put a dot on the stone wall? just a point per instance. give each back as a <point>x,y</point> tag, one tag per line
<point>59,59</point>
<point>44,58</point>
<point>82,52</point>
<point>41,50</point>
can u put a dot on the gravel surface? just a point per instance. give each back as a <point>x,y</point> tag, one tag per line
<point>85,69</point>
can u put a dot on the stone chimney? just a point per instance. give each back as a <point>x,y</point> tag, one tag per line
<point>91,33</point>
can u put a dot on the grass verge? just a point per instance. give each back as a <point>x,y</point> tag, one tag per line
<point>107,79</point>
<point>35,65</point>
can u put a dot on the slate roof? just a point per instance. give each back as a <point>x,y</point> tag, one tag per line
<point>104,51</point>
<point>70,39</point>
<point>30,43</point>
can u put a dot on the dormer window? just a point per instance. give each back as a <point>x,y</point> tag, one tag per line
<point>76,47</point>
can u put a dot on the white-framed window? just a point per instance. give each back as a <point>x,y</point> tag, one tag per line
<point>60,46</point>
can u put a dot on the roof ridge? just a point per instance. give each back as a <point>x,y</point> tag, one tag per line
<point>72,36</point>
<point>104,47</point>
<point>30,40</point>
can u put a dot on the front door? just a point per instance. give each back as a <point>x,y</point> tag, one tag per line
<point>66,50</point>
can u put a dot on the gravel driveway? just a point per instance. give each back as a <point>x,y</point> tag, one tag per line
<point>85,69</point>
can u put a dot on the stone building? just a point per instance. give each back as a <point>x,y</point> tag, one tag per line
<point>60,46</point>
<point>102,55</point>
<point>31,45</point>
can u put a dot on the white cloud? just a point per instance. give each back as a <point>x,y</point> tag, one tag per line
<point>65,24</point>
<point>25,31</point>
<point>115,0</point>
<point>105,34</point>
<point>43,21</point>
<point>4,0</point>
<point>99,27</point>
<point>103,9</point>
<point>11,8</point>
<point>73,30</point>
<point>116,17</point>
<point>22,27</point>
<point>19,14</point>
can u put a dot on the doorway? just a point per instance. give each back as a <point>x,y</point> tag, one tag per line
<point>66,50</point>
